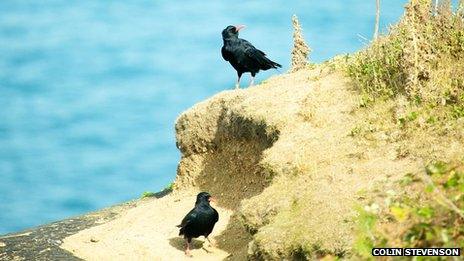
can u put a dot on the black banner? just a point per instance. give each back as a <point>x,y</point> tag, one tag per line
<point>416,251</point>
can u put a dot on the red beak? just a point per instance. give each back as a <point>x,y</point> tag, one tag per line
<point>211,199</point>
<point>239,27</point>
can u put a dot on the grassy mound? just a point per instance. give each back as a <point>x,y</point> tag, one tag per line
<point>411,85</point>
<point>282,157</point>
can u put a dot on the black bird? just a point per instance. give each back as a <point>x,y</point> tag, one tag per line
<point>242,55</point>
<point>199,221</point>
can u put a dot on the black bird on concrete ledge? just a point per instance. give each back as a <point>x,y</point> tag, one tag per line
<point>242,55</point>
<point>199,221</point>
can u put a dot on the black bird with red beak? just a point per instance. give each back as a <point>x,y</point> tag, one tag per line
<point>199,221</point>
<point>242,55</point>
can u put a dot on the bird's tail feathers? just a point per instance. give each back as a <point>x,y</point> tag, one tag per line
<point>181,231</point>
<point>268,64</point>
<point>276,65</point>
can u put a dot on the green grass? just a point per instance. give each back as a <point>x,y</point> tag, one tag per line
<point>365,236</point>
<point>422,58</point>
<point>148,194</point>
<point>428,213</point>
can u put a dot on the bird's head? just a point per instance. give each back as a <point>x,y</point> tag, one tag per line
<point>231,31</point>
<point>203,197</point>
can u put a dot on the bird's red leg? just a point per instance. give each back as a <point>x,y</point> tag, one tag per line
<point>252,81</point>
<point>237,85</point>
<point>187,250</point>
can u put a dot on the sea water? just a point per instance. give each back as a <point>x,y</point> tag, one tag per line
<point>90,90</point>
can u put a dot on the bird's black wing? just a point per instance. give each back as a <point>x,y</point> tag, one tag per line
<point>188,218</point>
<point>250,49</point>
<point>226,54</point>
<point>258,56</point>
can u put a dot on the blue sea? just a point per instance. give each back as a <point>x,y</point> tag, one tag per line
<point>90,90</point>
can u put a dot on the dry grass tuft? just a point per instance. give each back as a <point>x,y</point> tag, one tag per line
<point>301,50</point>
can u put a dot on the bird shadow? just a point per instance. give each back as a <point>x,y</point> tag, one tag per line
<point>180,243</point>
